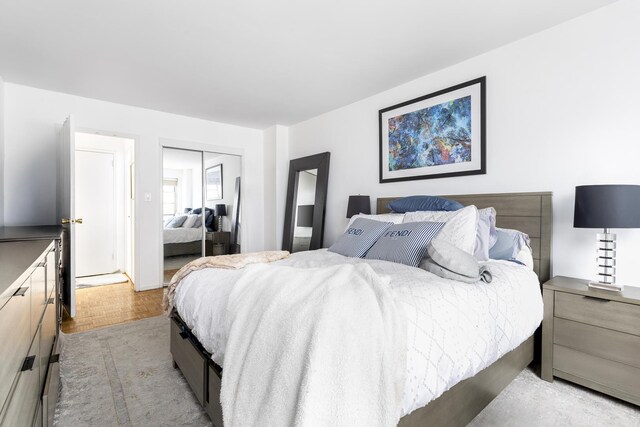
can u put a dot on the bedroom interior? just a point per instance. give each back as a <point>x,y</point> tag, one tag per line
<point>268,234</point>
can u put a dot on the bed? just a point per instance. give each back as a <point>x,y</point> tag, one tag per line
<point>182,241</point>
<point>196,349</point>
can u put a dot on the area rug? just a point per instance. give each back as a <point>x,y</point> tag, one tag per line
<point>100,280</point>
<point>123,376</point>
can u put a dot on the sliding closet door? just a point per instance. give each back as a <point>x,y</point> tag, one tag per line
<point>183,216</point>
<point>223,197</point>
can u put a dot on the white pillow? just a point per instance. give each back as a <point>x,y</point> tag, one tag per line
<point>190,221</point>
<point>395,218</point>
<point>460,229</point>
<point>525,256</point>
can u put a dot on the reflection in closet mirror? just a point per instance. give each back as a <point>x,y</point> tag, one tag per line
<point>200,206</point>
<point>306,199</point>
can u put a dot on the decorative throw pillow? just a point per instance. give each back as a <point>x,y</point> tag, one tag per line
<point>395,218</point>
<point>449,262</point>
<point>486,234</point>
<point>424,203</point>
<point>356,241</point>
<point>460,228</point>
<point>166,222</point>
<point>190,221</point>
<point>405,243</point>
<point>509,244</point>
<point>177,221</point>
<point>198,222</point>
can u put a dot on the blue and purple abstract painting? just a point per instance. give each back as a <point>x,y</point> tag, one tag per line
<point>433,136</point>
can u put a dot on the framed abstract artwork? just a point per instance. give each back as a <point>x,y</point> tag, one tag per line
<point>435,136</point>
<point>214,182</point>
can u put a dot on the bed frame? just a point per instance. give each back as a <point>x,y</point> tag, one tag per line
<point>528,212</point>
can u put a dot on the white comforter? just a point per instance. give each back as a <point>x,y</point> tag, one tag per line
<point>181,235</point>
<point>454,330</point>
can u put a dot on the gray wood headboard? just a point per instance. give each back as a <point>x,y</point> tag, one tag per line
<point>527,212</point>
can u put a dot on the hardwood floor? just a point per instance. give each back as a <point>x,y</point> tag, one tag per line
<point>107,305</point>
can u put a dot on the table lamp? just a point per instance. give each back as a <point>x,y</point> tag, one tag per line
<point>357,205</point>
<point>607,207</point>
<point>221,210</point>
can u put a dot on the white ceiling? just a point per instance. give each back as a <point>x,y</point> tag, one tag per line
<point>254,62</point>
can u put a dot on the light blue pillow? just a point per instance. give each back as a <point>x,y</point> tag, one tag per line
<point>509,244</point>
<point>424,203</point>
<point>177,221</point>
<point>359,237</point>
<point>405,243</point>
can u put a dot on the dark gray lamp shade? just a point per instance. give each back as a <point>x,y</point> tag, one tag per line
<point>607,206</point>
<point>305,216</point>
<point>221,210</point>
<point>358,205</point>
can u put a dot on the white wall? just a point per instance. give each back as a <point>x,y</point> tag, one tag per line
<point>32,118</point>
<point>562,110</point>
<point>276,165</point>
<point>231,169</point>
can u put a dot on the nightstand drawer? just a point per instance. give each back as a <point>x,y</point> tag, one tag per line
<point>605,343</point>
<point>614,315</point>
<point>612,375</point>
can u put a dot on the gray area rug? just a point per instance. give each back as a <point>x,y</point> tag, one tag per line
<point>123,376</point>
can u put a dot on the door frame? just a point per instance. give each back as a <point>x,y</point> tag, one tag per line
<point>134,224</point>
<point>203,148</point>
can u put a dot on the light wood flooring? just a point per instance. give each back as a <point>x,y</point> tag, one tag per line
<point>107,305</point>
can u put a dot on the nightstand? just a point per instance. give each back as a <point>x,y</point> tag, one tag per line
<point>592,337</point>
<point>215,238</point>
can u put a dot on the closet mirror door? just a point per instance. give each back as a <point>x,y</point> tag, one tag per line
<point>306,199</point>
<point>222,203</point>
<point>182,209</point>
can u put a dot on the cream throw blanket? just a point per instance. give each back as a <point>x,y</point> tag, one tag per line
<point>235,261</point>
<point>313,347</point>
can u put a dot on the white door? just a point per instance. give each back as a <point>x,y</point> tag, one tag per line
<point>66,212</point>
<point>96,205</point>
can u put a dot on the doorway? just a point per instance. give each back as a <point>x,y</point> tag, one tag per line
<point>104,207</point>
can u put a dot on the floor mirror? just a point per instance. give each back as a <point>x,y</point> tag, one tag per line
<point>306,200</point>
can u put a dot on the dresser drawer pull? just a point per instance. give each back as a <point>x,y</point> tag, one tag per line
<point>596,299</point>
<point>21,292</point>
<point>28,363</point>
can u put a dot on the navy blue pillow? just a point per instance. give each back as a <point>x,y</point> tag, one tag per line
<point>405,243</point>
<point>424,203</point>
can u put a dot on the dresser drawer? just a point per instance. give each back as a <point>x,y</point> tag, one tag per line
<point>189,360</point>
<point>15,337</point>
<point>605,343</point>
<point>607,373</point>
<point>614,315</point>
<point>20,409</point>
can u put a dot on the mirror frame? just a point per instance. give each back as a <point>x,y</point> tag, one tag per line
<point>317,161</point>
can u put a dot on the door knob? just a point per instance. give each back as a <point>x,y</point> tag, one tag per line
<point>65,221</point>
<point>79,221</point>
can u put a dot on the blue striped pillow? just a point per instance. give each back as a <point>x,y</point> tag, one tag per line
<point>359,237</point>
<point>405,243</point>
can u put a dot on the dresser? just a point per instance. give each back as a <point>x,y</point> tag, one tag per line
<point>29,325</point>
<point>592,337</point>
